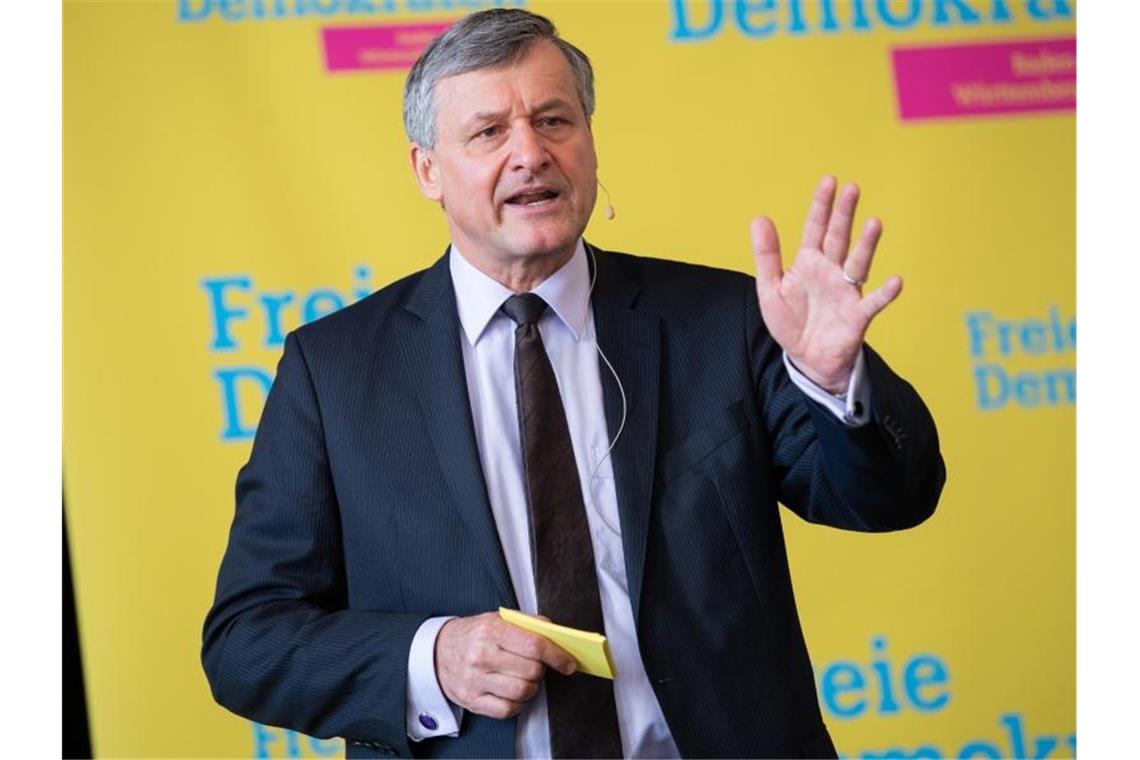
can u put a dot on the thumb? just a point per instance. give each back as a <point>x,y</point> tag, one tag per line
<point>766,251</point>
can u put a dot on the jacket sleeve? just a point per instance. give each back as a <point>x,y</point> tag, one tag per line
<point>280,645</point>
<point>885,475</point>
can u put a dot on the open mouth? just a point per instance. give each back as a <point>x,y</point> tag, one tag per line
<point>532,197</point>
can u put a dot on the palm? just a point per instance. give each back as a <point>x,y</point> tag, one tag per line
<point>816,315</point>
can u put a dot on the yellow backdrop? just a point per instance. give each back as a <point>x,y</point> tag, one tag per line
<point>225,179</point>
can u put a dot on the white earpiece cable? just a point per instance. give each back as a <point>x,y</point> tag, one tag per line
<point>610,367</point>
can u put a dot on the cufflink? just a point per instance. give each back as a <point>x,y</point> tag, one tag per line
<point>428,721</point>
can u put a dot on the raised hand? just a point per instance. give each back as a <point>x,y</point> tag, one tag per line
<point>492,668</point>
<point>816,310</point>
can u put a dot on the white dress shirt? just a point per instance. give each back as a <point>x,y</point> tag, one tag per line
<point>567,329</point>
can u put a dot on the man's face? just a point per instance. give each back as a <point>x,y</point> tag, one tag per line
<point>514,163</point>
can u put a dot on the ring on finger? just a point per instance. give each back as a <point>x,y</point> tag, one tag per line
<point>851,280</point>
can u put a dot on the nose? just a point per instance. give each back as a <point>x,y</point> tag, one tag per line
<point>528,151</point>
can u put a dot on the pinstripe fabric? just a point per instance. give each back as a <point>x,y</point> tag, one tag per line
<point>362,512</point>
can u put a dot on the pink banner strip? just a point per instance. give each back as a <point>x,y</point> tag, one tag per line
<point>989,78</point>
<point>392,46</point>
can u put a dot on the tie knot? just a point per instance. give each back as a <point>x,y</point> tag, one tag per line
<point>524,308</point>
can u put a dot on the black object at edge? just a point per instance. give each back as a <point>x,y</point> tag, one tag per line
<point>76,734</point>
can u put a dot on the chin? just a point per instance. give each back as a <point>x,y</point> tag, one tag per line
<point>537,244</point>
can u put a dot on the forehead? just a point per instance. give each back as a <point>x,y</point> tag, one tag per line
<point>541,75</point>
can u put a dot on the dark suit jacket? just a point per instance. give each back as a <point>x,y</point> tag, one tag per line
<point>362,512</point>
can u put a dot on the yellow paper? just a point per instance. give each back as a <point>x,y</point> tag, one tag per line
<point>589,649</point>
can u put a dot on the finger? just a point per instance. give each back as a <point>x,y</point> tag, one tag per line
<point>819,213</point>
<point>879,298</point>
<point>858,264</point>
<point>519,642</point>
<point>511,664</point>
<point>766,251</point>
<point>558,658</point>
<point>534,647</point>
<point>838,237</point>
<point>509,688</point>
<point>494,707</point>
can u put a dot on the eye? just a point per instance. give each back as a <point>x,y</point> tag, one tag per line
<point>487,132</point>
<point>552,121</point>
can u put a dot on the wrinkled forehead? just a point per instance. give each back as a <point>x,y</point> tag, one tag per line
<point>536,79</point>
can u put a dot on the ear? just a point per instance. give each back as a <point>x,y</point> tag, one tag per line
<point>427,172</point>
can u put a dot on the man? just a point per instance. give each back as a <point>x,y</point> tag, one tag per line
<point>537,424</point>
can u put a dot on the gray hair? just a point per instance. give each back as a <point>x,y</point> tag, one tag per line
<point>485,40</point>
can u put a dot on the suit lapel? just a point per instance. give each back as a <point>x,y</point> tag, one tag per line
<point>631,340</point>
<point>436,360</point>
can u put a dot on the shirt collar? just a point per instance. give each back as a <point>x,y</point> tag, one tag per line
<point>478,296</point>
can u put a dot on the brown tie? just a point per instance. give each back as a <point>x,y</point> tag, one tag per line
<point>583,718</point>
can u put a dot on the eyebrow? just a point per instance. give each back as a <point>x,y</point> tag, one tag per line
<point>546,105</point>
<point>551,104</point>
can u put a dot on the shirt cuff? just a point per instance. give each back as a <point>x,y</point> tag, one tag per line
<point>429,713</point>
<point>853,408</point>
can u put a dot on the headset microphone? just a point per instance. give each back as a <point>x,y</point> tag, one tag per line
<point>608,211</point>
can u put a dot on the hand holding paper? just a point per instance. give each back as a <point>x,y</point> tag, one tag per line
<point>588,649</point>
<point>493,668</point>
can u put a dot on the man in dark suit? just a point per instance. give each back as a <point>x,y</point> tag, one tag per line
<point>537,424</point>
